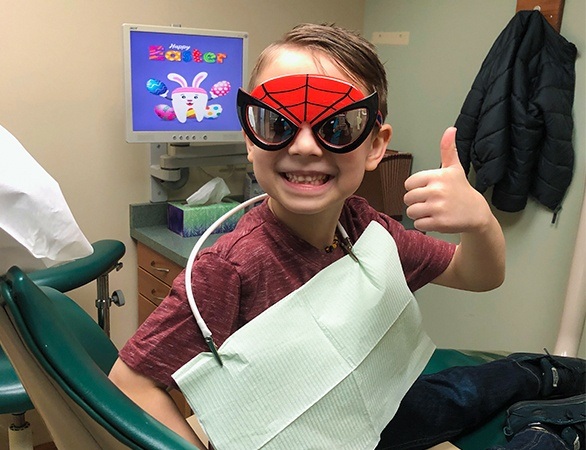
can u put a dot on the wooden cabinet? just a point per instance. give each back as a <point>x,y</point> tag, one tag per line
<point>155,276</point>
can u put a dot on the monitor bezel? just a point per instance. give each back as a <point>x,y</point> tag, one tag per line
<point>193,138</point>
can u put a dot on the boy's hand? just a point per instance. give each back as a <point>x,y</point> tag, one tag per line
<point>443,200</point>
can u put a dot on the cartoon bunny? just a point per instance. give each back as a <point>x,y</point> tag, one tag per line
<point>186,98</point>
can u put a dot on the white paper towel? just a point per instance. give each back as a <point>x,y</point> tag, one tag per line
<point>37,228</point>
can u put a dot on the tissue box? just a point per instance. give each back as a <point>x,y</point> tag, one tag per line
<point>190,221</point>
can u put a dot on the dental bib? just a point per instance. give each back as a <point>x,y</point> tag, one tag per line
<point>324,368</point>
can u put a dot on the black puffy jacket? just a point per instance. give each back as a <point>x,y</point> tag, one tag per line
<point>515,126</point>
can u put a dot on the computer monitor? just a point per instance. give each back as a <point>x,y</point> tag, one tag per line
<point>181,84</point>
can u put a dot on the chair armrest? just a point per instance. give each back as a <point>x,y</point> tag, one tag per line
<point>79,272</point>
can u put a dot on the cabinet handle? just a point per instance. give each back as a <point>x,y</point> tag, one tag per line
<point>159,269</point>
<point>156,297</point>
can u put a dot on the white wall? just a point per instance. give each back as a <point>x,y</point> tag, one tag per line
<point>429,79</point>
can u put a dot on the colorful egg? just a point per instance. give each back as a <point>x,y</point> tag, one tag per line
<point>220,89</point>
<point>156,87</point>
<point>213,111</point>
<point>165,112</point>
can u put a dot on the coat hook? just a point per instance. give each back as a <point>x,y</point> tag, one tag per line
<point>551,10</point>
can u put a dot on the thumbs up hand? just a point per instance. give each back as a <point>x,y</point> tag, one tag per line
<point>442,199</point>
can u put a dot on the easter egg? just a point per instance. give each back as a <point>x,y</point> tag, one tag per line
<point>220,89</point>
<point>165,112</point>
<point>156,87</point>
<point>213,111</point>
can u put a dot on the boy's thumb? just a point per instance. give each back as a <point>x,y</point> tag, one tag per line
<point>449,154</point>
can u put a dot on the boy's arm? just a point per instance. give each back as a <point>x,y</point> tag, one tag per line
<point>479,261</point>
<point>154,399</point>
<point>443,200</point>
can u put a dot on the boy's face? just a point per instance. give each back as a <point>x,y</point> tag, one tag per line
<point>303,178</point>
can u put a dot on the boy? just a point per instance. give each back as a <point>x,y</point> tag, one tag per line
<point>310,178</point>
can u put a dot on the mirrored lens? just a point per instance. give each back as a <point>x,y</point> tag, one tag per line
<point>344,128</point>
<point>268,126</point>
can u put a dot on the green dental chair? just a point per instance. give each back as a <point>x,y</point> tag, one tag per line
<point>105,258</point>
<point>64,357</point>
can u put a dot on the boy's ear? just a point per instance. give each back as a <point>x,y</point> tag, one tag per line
<point>249,147</point>
<point>380,144</point>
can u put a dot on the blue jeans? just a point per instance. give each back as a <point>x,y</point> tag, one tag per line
<point>534,440</point>
<point>442,406</point>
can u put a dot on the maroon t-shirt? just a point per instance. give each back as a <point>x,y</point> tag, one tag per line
<point>250,269</point>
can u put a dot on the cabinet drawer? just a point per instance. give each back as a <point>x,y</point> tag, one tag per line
<point>153,289</point>
<point>145,308</point>
<point>157,265</point>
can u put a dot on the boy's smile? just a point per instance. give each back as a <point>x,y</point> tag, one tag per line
<point>309,178</point>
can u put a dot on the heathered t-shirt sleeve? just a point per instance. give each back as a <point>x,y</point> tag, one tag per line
<point>169,338</point>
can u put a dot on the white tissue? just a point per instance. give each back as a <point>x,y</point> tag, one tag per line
<point>211,192</point>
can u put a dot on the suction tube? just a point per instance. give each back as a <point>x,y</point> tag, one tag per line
<point>207,334</point>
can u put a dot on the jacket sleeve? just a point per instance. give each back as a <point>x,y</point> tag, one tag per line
<point>525,124</point>
<point>483,138</point>
<point>554,99</point>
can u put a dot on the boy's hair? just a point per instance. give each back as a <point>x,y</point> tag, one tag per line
<point>354,55</point>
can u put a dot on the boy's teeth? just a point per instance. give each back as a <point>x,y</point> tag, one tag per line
<point>306,179</point>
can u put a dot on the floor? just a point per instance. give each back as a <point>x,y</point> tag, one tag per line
<point>47,446</point>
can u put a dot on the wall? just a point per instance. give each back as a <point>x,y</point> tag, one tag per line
<point>429,79</point>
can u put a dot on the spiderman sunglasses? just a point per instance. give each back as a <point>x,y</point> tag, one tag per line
<point>340,116</point>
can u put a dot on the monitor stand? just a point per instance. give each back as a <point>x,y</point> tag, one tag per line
<point>169,164</point>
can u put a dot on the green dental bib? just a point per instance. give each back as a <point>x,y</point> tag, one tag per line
<point>324,368</point>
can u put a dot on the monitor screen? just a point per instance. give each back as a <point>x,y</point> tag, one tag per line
<point>181,84</point>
